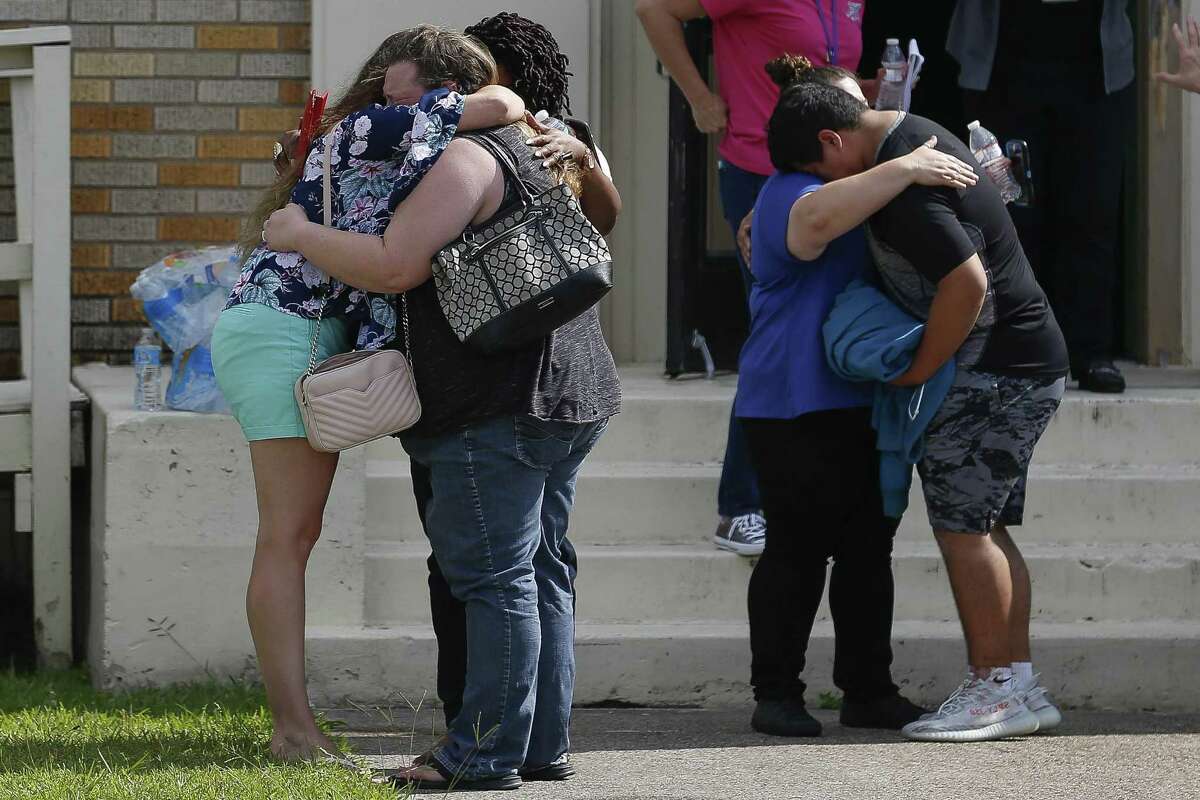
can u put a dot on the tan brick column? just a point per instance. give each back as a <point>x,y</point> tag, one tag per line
<point>175,105</point>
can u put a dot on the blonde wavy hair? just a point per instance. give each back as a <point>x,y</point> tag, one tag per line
<point>441,56</point>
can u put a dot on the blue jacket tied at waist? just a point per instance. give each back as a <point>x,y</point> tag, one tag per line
<point>870,338</point>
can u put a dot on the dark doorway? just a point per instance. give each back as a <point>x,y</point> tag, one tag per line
<point>704,285</point>
<point>937,95</point>
<point>704,288</point>
<point>704,292</point>
<point>939,98</point>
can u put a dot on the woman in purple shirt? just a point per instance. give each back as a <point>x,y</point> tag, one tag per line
<point>810,434</point>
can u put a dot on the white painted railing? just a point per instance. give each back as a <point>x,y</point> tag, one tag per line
<point>35,425</point>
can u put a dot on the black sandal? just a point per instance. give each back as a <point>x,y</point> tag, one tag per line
<point>448,782</point>
<point>424,759</point>
<point>561,770</point>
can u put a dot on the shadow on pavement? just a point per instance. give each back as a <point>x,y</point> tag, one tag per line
<point>648,729</point>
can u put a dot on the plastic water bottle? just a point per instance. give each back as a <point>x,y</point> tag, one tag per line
<point>544,118</point>
<point>891,88</point>
<point>147,372</point>
<point>986,148</point>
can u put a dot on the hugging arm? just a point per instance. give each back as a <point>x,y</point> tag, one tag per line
<point>491,107</point>
<point>388,126</point>
<point>923,227</point>
<point>599,198</point>
<point>820,216</point>
<point>464,184</point>
<point>952,316</point>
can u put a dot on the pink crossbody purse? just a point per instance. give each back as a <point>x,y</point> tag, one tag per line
<point>357,397</point>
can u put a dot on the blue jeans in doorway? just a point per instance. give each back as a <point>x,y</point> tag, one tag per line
<point>738,491</point>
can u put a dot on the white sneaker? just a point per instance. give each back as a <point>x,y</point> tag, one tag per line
<point>980,710</point>
<point>745,535</point>
<point>962,687</point>
<point>1038,701</point>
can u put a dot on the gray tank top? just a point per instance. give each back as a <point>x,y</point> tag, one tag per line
<point>569,376</point>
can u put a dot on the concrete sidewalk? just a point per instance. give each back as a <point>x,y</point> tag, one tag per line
<point>631,754</point>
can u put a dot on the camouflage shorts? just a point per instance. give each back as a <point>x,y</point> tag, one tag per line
<point>978,448</point>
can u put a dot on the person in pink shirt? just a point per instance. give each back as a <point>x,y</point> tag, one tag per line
<point>747,34</point>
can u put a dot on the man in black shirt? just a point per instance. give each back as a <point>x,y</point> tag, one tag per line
<point>926,233</point>
<point>951,258</point>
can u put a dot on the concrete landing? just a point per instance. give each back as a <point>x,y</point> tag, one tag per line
<point>635,754</point>
<point>1110,537</point>
<point>1097,665</point>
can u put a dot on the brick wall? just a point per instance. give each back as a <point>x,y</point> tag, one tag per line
<point>175,105</point>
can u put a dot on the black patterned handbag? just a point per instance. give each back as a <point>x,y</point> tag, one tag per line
<point>535,266</point>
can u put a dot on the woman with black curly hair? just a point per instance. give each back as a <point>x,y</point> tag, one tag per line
<point>529,60</point>
<point>530,63</point>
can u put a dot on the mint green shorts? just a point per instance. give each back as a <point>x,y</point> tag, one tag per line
<point>258,355</point>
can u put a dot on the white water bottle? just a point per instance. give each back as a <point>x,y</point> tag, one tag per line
<point>147,372</point>
<point>544,118</point>
<point>987,152</point>
<point>891,88</point>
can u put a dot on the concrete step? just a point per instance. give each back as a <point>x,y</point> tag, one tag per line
<point>1157,422</point>
<point>637,584</point>
<point>686,421</point>
<point>665,503</point>
<point>1123,666</point>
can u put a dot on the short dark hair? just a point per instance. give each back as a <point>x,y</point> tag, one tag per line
<point>808,104</point>
<point>531,55</point>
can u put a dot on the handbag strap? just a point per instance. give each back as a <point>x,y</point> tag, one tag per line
<point>508,164</point>
<point>327,210</point>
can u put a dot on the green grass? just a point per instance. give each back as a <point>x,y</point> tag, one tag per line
<point>61,740</point>
<point>830,701</point>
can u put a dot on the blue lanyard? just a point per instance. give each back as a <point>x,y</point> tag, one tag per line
<point>831,37</point>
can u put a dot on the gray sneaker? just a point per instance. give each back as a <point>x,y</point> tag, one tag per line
<point>745,535</point>
<point>1037,701</point>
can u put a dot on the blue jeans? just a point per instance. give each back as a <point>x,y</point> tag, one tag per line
<point>497,520</point>
<point>738,492</point>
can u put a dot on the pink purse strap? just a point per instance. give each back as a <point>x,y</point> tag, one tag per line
<point>327,209</point>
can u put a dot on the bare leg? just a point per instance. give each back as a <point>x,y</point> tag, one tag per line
<point>982,582</point>
<point>293,482</point>
<point>1022,597</point>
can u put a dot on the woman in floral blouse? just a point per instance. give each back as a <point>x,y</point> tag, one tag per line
<point>387,131</point>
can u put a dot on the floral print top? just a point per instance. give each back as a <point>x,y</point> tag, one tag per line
<point>379,155</point>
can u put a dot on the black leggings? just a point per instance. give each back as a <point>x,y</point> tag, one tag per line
<point>819,478</point>
<point>449,614</point>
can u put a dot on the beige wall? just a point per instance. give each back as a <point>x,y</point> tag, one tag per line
<point>346,33</point>
<point>1158,306</point>
<point>175,106</point>
<point>634,103</point>
<point>1190,225</point>
<point>1165,304</point>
